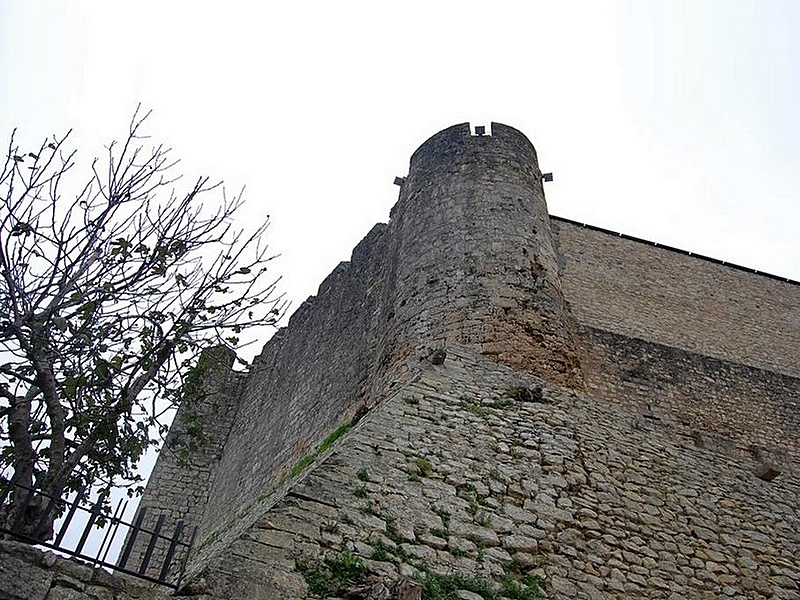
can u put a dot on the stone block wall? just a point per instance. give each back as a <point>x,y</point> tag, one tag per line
<point>644,291</point>
<point>182,477</point>
<point>745,412</point>
<point>690,370</point>
<point>451,476</point>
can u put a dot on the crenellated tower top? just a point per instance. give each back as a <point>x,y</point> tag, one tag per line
<point>475,261</point>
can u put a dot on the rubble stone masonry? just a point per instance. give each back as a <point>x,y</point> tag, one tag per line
<point>467,257</point>
<point>455,474</point>
<point>532,401</point>
<point>678,370</point>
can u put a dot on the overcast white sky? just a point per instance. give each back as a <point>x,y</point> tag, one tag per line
<point>672,121</point>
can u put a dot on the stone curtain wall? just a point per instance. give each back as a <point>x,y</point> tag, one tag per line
<point>643,291</point>
<point>309,379</point>
<point>452,476</point>
<point>469,258</point>
<point>710,349</point>
<point>739,410</point>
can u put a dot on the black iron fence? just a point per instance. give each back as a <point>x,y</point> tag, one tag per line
<point>87,528</point>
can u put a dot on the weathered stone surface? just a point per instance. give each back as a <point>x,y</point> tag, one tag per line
<point>27,573</point>
<point>528,398</point>
<point>642,291</point>
<point>20,577</point>
<point>626,513</point>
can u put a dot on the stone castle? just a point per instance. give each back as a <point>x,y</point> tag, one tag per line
<point>492,398</point>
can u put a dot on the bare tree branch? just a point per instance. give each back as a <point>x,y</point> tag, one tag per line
<point>107,298</point>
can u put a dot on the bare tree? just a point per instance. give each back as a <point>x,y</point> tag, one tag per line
<point>107,298</point>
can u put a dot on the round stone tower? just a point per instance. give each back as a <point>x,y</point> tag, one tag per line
<point>473,255</point>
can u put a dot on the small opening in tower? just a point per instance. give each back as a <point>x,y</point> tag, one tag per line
<point>766,472</point>
<point>480,130</point>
